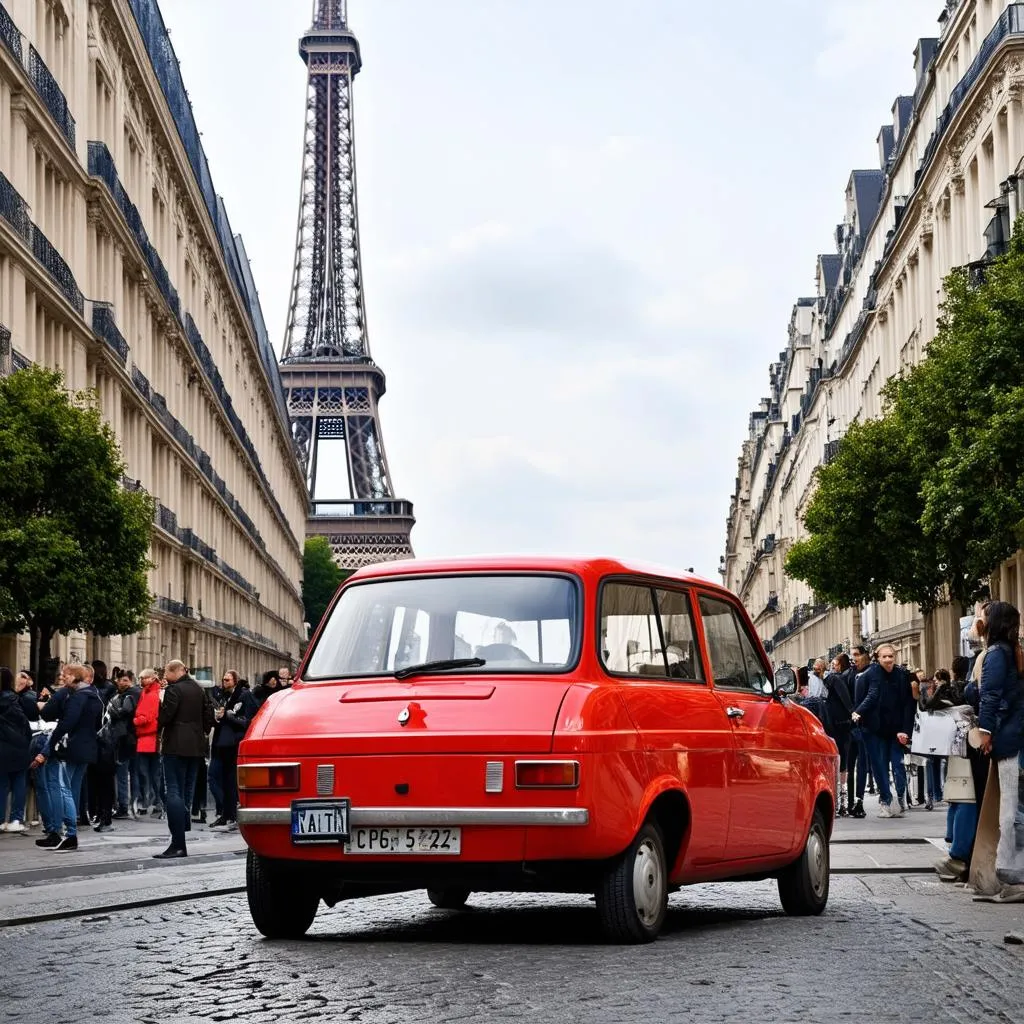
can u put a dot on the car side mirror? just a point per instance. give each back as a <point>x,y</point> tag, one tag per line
<point>785,681</point>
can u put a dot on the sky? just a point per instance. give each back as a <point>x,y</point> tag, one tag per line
<point>583,224</point>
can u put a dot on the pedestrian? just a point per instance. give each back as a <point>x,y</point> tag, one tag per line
<point>15,737</point>
<point>887,715</point>
<point>186,716</point>
<point>232,718</point>
<point>151,788</point>
<point>860,766</point>
<point>1001,721</point>
<point>840,723</point>
<point>268,685</point>
<point>75,745</point>
<point>121,712</point>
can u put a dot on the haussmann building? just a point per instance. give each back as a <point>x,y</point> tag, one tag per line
<point>119,266</point>
<point>945,193</point>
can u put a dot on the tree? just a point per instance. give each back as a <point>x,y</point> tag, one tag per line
<point>73,543</point>
<point>321,577</point>
<point>949,448</point>
<point>863,523</point>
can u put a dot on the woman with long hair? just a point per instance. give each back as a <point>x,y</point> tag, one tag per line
<point>1001,721</point>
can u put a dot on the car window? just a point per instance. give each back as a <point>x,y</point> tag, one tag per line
<point>733,661</point>
<point>514,622</point>
<point>630,634</point>
<point>681,646</point>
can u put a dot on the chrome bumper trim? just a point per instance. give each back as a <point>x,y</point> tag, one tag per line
<point>374,816</point>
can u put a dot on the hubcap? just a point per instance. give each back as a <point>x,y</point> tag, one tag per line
<point>648,882</point>
<point>817,862</point>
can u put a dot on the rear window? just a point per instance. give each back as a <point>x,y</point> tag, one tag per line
<point>516,623</point>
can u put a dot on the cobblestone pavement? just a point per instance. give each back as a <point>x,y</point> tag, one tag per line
<point>888,948</point>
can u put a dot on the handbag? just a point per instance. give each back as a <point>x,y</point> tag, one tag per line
<point>934,732</point>
<point>959,785</point>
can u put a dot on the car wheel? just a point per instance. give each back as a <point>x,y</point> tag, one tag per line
<point>452,898</point>
<point>803,886</point>
<point>281,906</point>
<point>632,900</point>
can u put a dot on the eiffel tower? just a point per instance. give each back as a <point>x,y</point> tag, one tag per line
<point>332,385</point>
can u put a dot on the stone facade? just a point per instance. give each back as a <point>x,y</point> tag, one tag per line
<point>118,265</point>
<point>945,194</point>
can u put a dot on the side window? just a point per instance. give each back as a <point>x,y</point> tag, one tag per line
<point>734,662</point>
<point>630,639</point>
<point>681,647</point>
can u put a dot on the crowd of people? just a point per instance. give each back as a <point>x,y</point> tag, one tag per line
<point>873,707</point>
<point>95,749</point>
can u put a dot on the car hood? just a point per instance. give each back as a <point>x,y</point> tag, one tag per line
<point>450,715</point>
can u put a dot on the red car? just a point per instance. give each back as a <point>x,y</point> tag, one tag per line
<point>533,724</point>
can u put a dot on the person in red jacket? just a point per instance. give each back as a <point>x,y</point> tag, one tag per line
<point>147,715</point>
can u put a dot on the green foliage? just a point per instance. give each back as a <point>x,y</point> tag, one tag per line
<point>929,500</point>
<point>73,543</point>
<point>321,577</point>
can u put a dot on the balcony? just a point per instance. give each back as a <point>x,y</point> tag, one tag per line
<point>51,94</point>
<point>176,608</point>
<point>53,263</point>
<point>9,34</point>
<point>104,327</point>
<point>830,453</point>
<point>371,509</point>
<point>14,209</point>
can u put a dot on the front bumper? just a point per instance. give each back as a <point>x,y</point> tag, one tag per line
<point>517,817</point>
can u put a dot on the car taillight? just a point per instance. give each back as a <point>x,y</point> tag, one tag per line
<point>268,776</point>
<point>547,774</point>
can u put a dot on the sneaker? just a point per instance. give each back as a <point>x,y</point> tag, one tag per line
<point>48,841</point>
<point>885,810</point>
<point>219,823</point>
<point>16,826</point>
<point>231,826</point>
<point>951,869</point>
<point>120,815</point>
<point>66,845</point>
<point>929,806</point>
<point>107,827</point>
<point>857,810</point>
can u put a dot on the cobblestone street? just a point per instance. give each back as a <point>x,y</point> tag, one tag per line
<point>889,948</point>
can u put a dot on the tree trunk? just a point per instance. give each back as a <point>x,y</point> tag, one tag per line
<point>40,634</point>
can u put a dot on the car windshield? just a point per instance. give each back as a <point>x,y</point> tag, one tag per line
<point>515,623</point>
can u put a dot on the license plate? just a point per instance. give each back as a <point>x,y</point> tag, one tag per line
<point>414,841</point>
<point>323,821</point>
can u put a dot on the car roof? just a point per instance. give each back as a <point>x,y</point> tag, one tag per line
<point>582,565</point>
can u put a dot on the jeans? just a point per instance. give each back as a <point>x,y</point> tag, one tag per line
<point>71,778</point>
<point>1009,855</point>
<point>13,783</point>
<point>224,768</point>
<point>961,824</point>
<point>933,775</point>
<point>49,794</point>
<point>180,780</point>
<point>150,781</point>
<point>884,752</point>
<point>127,781</point>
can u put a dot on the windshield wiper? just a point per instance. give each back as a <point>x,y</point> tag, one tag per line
<point>438,666</point>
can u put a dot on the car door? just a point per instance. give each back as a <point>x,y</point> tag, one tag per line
<point>764,773</point>
<point>648,642</point>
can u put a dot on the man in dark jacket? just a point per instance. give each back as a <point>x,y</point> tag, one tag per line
<point>886,713</point>
<point>237,707</point>
<point>121,712</point>
<point>74,743</point>
<point>186,715</point>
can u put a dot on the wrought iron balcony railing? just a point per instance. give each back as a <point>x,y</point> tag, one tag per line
<point>51,94</point>
<point>9,34</point>
<point>14,210</point>
<point>53,263</point>
<point>176,608</point>
<point>104,327</point>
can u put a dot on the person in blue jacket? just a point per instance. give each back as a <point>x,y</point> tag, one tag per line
<point>1001,721</point>
<point>886,714</point>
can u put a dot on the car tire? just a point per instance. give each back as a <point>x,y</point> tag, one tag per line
<point>281,905</point>
<point>803,886</point>
<point>451,898</point>
<point>632,900</point>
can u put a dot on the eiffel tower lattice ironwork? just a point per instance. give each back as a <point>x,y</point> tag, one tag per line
<point>332,384</point>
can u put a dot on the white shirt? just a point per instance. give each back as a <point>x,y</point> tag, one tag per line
<point>816,686</point>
